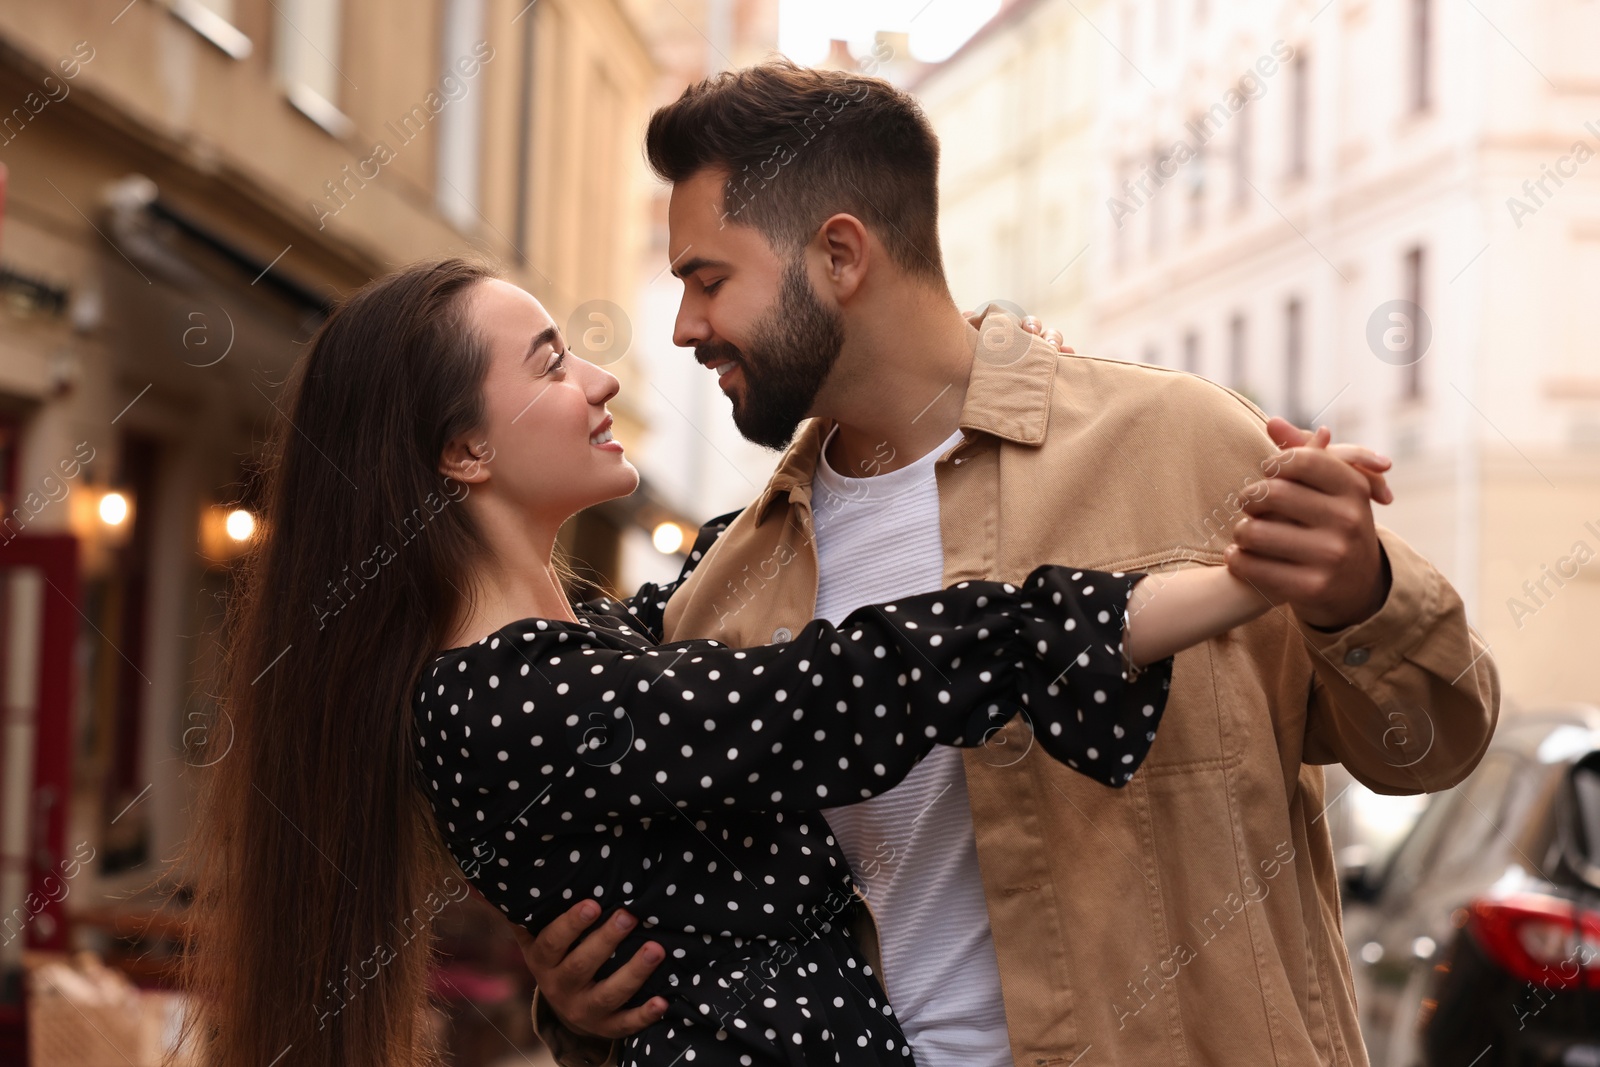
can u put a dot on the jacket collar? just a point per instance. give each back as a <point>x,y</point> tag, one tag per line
<point>1008,396</point>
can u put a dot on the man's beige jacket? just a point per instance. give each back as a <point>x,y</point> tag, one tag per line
<point>1191,917</point>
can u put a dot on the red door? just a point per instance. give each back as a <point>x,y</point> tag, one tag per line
<point>38,631</point>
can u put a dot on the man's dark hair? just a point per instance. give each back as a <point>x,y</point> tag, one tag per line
<point>800,145</point>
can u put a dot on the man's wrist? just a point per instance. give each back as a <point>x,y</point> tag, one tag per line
<point>568,1045</point>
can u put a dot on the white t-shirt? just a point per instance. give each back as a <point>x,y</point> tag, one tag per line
<point>911,848</point>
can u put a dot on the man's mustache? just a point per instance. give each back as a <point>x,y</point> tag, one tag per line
<point>718,350</point>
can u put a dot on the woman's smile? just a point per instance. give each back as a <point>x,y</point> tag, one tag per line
<point>602,439</point>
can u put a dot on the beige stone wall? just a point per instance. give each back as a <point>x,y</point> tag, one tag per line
<point>221,142</point>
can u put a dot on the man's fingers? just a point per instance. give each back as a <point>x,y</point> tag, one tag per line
<point>628,979</point>
<point>583,961</point>
<point>1290,501</point>
<point>524,941</point>
<point>551,946</point>
<point>1291,543</point>
<point>1377,486</point>
<point>1272,578</point>
<point>630,1022</point>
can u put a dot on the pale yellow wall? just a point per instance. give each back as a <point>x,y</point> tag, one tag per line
<point>1552,654</point>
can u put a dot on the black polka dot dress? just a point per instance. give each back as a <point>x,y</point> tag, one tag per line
<point>570,761</point>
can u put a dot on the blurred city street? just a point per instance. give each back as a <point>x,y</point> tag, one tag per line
<point>1382,216</point>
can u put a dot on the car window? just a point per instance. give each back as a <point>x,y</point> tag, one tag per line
<point>1408,862</point>
<point>1586,793</point>
<point>1478,836</point>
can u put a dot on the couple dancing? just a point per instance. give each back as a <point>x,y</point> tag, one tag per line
<point>891,738</point>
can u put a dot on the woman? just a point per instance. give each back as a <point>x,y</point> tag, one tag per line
<point>439,435</point>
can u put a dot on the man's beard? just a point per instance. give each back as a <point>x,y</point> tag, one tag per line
<point>793,349</point>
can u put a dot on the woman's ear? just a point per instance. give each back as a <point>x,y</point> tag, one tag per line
<point>466,459</point>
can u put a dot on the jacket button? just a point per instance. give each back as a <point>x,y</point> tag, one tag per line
<point>780,635</point>
<point>1357,656</point>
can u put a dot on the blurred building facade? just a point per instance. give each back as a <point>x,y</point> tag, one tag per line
<point>1016,114</point>
<point>692,454</point>
<point>1377,214</point>
<point>188,185</point>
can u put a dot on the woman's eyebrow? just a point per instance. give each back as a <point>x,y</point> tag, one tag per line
<point>540,339</point>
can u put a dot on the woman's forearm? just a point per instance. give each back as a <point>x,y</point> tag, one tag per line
<point>1169,612</point>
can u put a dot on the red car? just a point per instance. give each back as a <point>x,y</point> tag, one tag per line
<point>1478,943</point>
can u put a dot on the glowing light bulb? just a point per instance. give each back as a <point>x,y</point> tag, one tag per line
<point>240,524</point>
<point>667,537</point>
<point>113,509</point>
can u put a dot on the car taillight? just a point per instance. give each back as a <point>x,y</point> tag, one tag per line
<point>1540,939</point>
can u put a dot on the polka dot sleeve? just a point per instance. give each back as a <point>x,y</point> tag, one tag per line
<point>550,713</point>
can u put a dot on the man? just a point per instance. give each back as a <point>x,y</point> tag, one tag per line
<point>1024,914</point>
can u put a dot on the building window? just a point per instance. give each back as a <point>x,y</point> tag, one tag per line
<point>1299,114</point>
<point>306,42</point>
<point>1152,355</point>
<point>1197,184</point>
<point>1421,52</point>
<point>458,193</point>
<point>1241,157</point>
<point>213,20</point>
<point>1415,262</point>
<point>1191,352</point>
<point>1130,26</point>
<point>1238,357</point>
<point>1293,360</point>
<point>1160,168</point>
<point>1121,217</point>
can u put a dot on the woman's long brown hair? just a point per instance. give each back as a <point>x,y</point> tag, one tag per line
<point>314,860</point>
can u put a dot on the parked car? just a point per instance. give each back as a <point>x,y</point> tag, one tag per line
<point>1477,944</point>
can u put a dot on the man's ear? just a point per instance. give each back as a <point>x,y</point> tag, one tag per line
<point>848,248</point>
<point>466,459</point>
